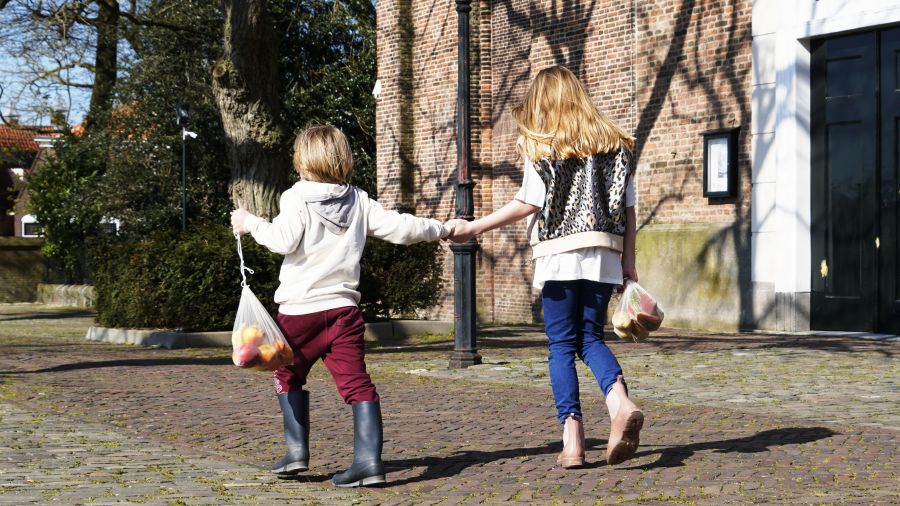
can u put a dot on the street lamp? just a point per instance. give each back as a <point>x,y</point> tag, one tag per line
<point>465,351</point>
<point>183,117</point>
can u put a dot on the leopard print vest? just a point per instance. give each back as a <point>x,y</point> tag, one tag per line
<point>585,203</point>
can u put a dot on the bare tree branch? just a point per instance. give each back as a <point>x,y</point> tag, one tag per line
<point>137,20</point>
<point>2,118</point>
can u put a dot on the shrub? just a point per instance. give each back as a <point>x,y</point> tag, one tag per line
<point>170,280</point>
<point>398,280</point>
<point>192,281</point>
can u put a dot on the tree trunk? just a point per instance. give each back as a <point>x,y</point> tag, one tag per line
<point>245,84</point>
<point>106,64</point>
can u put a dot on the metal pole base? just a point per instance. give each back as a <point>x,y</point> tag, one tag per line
<point>463,359</point>
<point>465,349</point>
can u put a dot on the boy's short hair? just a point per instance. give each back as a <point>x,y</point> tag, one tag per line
<point>322,154</point>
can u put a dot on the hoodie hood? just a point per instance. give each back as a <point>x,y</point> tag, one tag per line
<point>333,203</point>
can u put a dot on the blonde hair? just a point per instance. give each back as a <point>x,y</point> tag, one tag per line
<point>322,154</point>
<point>557,120</point>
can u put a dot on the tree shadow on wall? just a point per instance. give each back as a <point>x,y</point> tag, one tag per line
<point>681,59</point>
<point>684,61</point>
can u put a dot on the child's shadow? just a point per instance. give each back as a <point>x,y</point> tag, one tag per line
<point>675,456</point>
<point>445,467</point>
<point>672,456</point>
<point>451,465</point>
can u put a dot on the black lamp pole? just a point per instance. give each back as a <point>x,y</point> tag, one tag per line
<point>464,350</point>
<point>183,182</point>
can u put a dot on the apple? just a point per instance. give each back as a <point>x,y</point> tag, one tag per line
<point>246,356</point>
<point>622,334</point>
<point>284,352</point>
<point>621,320</point>
<point>649,321</point>
<point>639,332</point>
<point>266,354</point>
<point>251,334</point>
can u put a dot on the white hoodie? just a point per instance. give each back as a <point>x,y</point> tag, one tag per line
<point>321,230</point>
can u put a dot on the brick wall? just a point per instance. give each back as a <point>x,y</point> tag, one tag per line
<point>666,70</point>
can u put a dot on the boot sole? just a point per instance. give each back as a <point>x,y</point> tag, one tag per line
<point>292,469</point>
<point>365,482</point>
<point>627,447</point>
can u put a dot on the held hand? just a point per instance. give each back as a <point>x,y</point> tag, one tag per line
<point>448,230</point>
<point>462,230</point>
<point>238,217</point>
<point>629,272</point>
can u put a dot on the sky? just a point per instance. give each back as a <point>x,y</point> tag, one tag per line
<point>19,98</point>
<point>41,43</point>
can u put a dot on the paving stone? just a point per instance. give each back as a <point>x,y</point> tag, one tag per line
<point>186,425</point>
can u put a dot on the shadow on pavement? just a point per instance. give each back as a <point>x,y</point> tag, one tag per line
<point>665,340</point>
<point>451,465</point>
<point>386,347</point>
<point>674,456</point>
<point>55,315</point>
<point>139,362</point>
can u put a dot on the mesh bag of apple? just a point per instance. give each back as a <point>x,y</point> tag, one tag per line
<point>637,314</point>
<point>256,340</point>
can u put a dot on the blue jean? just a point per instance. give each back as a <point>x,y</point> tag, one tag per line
<point>574,316</point>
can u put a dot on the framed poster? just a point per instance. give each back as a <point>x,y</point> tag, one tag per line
<point>719,163</point>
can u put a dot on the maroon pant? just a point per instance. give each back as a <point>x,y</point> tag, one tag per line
<point>335,336</point>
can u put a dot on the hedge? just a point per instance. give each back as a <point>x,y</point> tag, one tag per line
<point>192,281</point>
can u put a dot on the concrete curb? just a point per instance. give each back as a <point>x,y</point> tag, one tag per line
<point>66,295</point>
<point>174,339</point>
<point>162,337</point>
<point>406,328</point>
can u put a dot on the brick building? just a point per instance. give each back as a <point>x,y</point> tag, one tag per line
<point>23,149</point>
<point>670,71</point>
<point>18,150</point>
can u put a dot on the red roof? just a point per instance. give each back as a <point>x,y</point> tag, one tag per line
<point>22,137</point>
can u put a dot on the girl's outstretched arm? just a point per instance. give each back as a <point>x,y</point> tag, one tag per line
<point>514,210</point>
<point>629,270</point>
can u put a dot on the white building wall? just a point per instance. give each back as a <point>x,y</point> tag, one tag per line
<point>780,227</point>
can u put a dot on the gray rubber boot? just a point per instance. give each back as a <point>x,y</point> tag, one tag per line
<point>367,468</point>
<point>295,410</point>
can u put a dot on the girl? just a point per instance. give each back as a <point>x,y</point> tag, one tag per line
<point>578,184</point>
<point>321,231</point>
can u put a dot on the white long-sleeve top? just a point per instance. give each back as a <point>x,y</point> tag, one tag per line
<point>321,230</point>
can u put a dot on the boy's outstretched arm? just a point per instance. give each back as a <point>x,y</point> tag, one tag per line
<point>402,228</point>
<point>514,210</point>
<point>280,236</point>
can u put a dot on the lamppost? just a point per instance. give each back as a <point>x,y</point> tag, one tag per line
<point>464,349</point>
<point>183,117</point>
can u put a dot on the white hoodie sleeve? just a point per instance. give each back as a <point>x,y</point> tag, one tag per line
<point>283,235</point>
<point>401,228</point>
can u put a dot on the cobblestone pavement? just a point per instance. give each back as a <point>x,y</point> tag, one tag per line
<point>731,419</point>
<point>53,458</point>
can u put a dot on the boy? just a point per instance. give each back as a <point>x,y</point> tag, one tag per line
<point>321,230</point>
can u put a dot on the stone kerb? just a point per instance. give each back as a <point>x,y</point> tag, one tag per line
<point>159,337</point>
<point>66,295</point>
<point>171,339</point>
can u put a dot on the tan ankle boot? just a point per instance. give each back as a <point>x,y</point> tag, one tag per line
<point>625,425</point>
<point>572,455</point>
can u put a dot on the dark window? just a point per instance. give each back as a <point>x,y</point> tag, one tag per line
<point>32,229</point>
<point>109,228</point>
